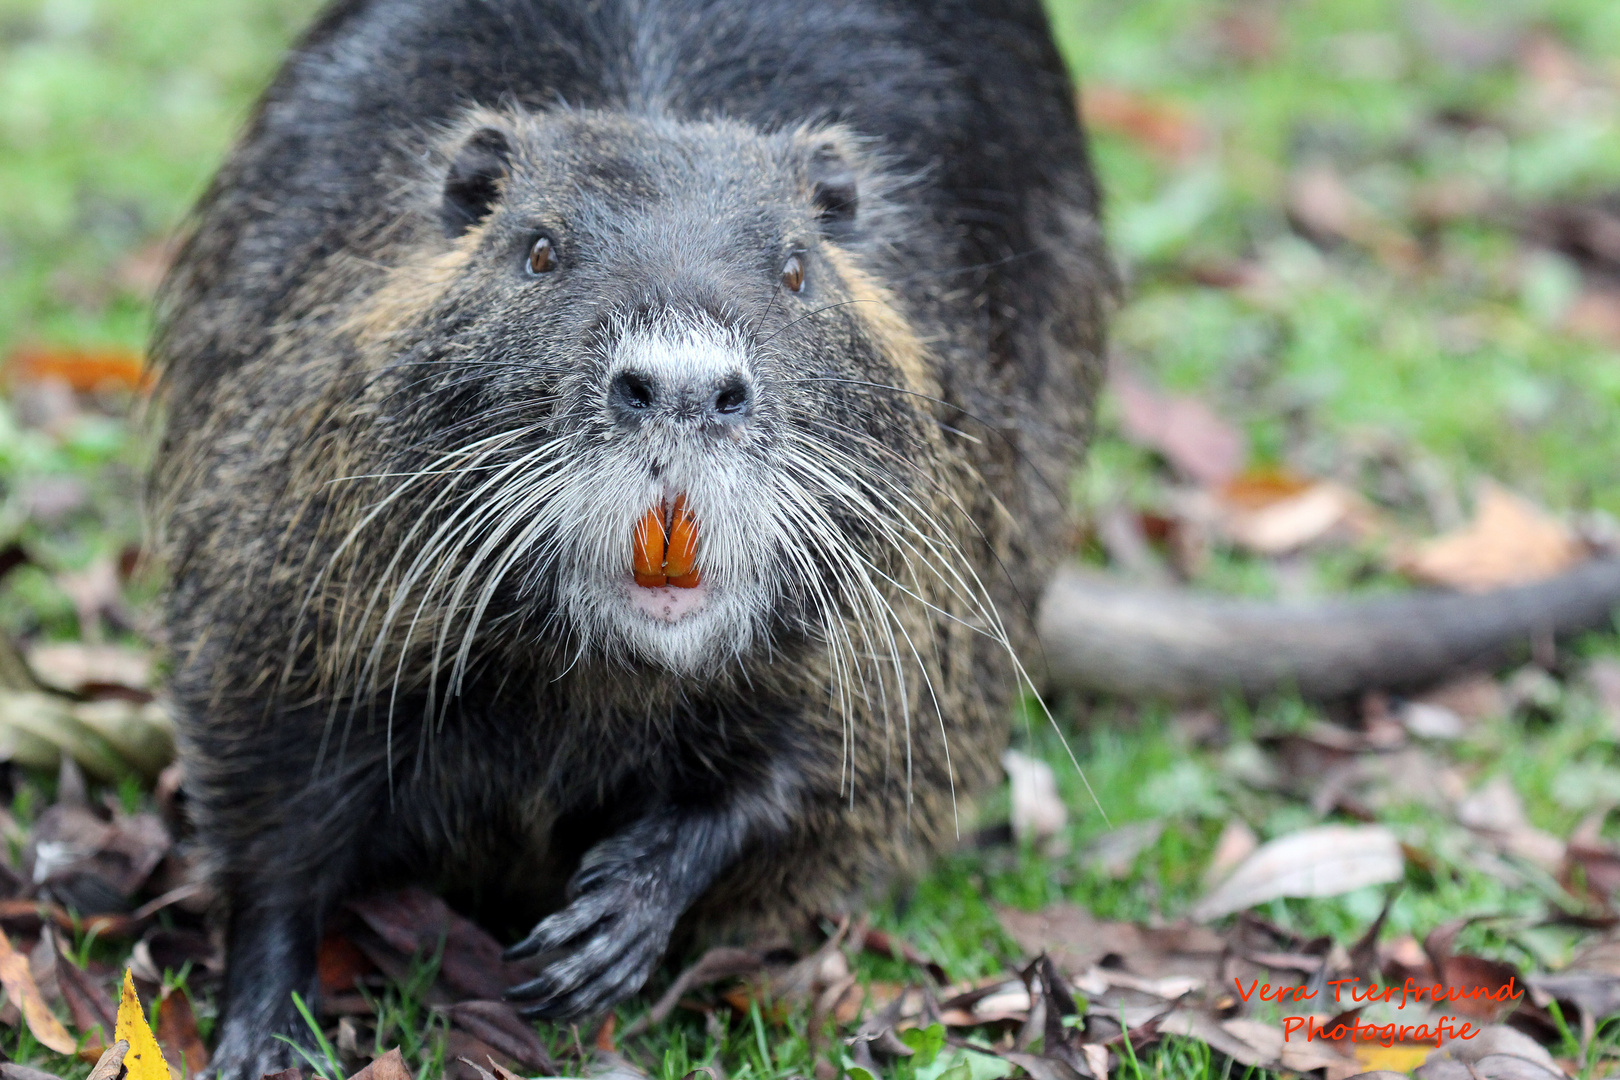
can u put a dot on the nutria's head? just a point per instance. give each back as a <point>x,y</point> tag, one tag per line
<point>643,395</point>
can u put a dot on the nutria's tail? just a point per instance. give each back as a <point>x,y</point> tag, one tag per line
<point>1137,641</point>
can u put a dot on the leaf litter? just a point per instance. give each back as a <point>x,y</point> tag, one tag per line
<point>1084,995</point>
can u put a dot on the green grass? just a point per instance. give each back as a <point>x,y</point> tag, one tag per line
<point>113,115</point>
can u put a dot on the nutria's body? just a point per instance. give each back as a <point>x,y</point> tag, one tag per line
<point>486,279</point>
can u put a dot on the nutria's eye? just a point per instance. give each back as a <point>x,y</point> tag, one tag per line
<point>542,259</point>
<point>793,274</point>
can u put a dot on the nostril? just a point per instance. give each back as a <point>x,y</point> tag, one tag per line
<point>631,393</point>
<point>731,401</point>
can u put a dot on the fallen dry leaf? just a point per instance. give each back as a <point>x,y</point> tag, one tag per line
<point>340,963</point>
<point>1325,861</point>
<point>1038,812</point>
<point>1077,941</point>
<point>1235,844</point>
<point>20,987</point>
<point>72,667</point>
<point>414,921</point>
<point>183,1047</point>
<point>10,1070</point>
<point>1494,1052</point>
<point>1193,439</point>
<point>1495,812</point>
<point>144,1059</point>
<point>498,1024</point>
<point>1271,1044</point>
<point>1591,865</point>
<point>1509,542</point>
<point>1115,852</point>
<point>1472,697</point>
<point>391,1066</point>
<point>1160,126</point>
<point>1427,721</point>
<point>1274,514</point>
<point>96,866</point>
<point>84,370</point>
<point>92,1010</point>
<point>111,1062</point>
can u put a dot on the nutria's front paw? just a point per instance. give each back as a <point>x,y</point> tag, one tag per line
<point>599,949</point>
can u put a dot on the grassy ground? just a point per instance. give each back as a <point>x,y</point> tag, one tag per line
<point>1445,354</point>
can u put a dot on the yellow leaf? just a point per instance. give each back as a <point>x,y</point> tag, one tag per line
<point>144,1060</point>
<point>1401,1058</point>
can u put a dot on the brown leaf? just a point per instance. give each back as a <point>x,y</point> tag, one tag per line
<point>92,865</point>
<point>1160,126</point>
<point>1472,697</point>
<point>1196,442</point>
<point>1235,844</point>
<point>391,1066</point>
<point>70,666</point>
<point>1293,518</point>
<point>478,1072</point>
<point>340,964</point>
<point>87,1000</point>
<point>1496,813</point>
<point>415,922</point>
<point>1328,860</point>
<point>111,1062</point>
<point>498,1024</point>
<point>1595,993</point>
<point>1476,988</point>
<point>879,943</point>
<point>461,1050</point>
<point>1077,941</point>
<point>27,916</point>
<point>177,1034</point>
<point>10,1070</point>
<point>1115,852</point>
<point>1591,864</point>
<point>1001,999</point>
<point>84,370</point>
<point>1495,1041</point>
<point>21,989</point>
<point>1509,542</point>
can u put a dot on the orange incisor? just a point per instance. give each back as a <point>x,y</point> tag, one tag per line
<point>666,547</point>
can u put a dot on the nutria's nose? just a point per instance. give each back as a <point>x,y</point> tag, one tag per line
<point>637,396</point>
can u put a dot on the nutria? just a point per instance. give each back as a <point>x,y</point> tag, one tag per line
<point>610,456</point>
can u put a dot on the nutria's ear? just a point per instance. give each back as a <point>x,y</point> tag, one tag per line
<point>834,190</point>
<point>474,181</point>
